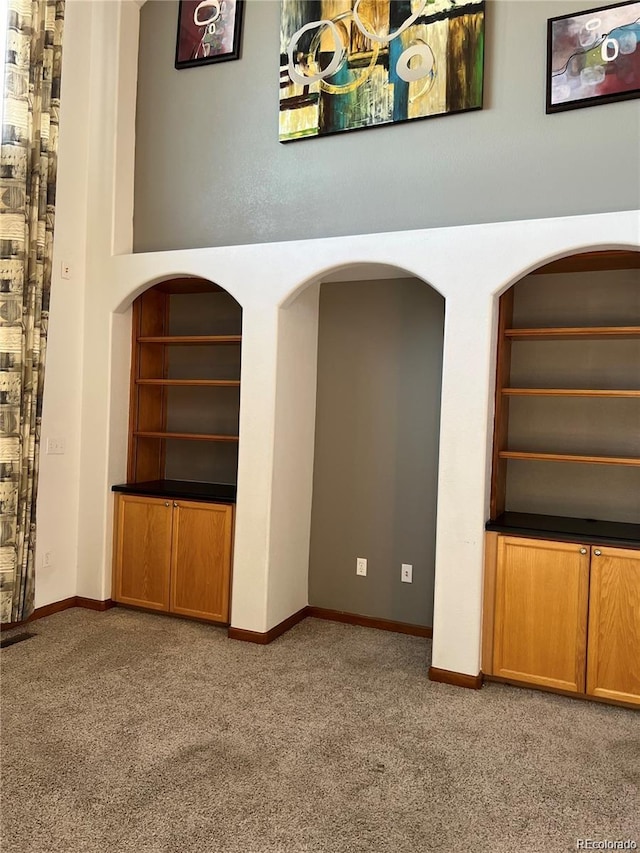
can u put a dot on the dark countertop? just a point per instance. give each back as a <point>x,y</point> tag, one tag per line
<point>561,528</point>
<point>181,489</point>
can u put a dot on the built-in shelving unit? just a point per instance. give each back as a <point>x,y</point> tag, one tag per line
<point>562,435</point>
<point>180,384</point>
<point>174,516</point>
<point>562,549</point>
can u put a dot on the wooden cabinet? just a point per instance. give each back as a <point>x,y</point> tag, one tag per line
<point>541,612</point>
<point>142,554</point>
<point>201,560</point>
<point>563,615</point>
<point>613,668</point>
<point>173,555</point>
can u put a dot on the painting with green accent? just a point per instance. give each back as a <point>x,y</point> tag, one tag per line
<point>352,64</point>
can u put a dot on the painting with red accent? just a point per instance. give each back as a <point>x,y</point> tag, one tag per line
<point>593,57</point>
<point>208,31</point>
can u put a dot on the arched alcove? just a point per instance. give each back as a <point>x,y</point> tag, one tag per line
<point>376,446</point>
<point>398,298</point>
<point>174,515</point>
<point>561,558</point>
<point>184,417</point>
<point>567,407</point>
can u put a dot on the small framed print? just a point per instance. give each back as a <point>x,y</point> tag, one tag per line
<point>208,31</point>
<point>593,57</point>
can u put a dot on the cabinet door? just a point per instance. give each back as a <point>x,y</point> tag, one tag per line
<point>142,557</point>
<point>541,612</point>
<point>201,560</point>
<point>613,668</point>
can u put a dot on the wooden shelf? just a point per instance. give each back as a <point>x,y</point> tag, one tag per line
<point>222,383</point>
<point>573,332</point>
<point>190,339</point>
<point>569,392</point>
<point>563,457</point>
<point>189,436</point>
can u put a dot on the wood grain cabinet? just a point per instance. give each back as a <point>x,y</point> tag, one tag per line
<point>563,615</point>
<point>613,664</point>
<point>542,591</point>
<point>173,556</point>
<point>142,554</point>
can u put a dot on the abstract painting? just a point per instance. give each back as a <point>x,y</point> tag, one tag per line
<point>351,64</point>
<point>208,31</point>
<point>593,57</point>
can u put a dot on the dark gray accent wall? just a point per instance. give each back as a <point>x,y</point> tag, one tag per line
<point>376,448</point>
<point>211,172</point>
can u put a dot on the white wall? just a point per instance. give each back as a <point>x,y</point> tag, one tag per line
<point>57,513</point>
<point>468,265</point>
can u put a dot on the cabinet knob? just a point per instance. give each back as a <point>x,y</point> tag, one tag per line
<point>166,503</point>
<point>175,503</point>
<point>583,550</point>
<point>597,552</point>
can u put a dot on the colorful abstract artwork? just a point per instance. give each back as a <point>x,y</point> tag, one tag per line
<point>593,57</point>
<point>208,31</point>
<point>351,64</point>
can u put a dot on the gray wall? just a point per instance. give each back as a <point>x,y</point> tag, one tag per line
<point>210,170</point>
<point>376,450</point>
<point>580,425</point>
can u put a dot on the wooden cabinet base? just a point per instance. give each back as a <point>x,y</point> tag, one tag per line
<point>204,620</point>
<point>583,697</point>
<point>173,556</point>
<point>537,595</point>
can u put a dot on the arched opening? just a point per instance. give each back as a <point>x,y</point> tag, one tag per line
<point>174,515</point>
<point>373,427</point>
<point>568,391</point>
<point>562,557</point>
<point>184,414</point>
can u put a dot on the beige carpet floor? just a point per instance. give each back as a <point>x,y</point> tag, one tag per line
<point>124,731</point>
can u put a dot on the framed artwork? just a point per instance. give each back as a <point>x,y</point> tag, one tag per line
<point>352,64</point>
<point>593,57</point>
<point>208,31</point>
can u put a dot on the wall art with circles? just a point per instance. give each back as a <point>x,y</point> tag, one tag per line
<point>353,64</point>
<point>593,57</point>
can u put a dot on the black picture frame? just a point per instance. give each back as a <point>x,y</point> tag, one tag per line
<point>602,76</point>
<point>196,42</point>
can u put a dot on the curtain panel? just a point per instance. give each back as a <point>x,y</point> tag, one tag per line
<point>33,53</point>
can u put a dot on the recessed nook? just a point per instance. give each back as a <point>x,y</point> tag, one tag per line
<point>562,564</point>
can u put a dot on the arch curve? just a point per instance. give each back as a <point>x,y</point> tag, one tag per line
<point>364,270</point>
<point>141,287</point>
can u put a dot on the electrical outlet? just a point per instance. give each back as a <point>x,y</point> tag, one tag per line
<point>65,269</point>
<point>55,446</point>
<point>406,575</point>
<point>361,566</point>
<point>47,560</point>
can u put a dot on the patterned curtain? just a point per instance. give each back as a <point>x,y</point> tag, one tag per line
<point>27,202</point>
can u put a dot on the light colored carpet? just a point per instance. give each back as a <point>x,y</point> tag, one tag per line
<point>124,731</point>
